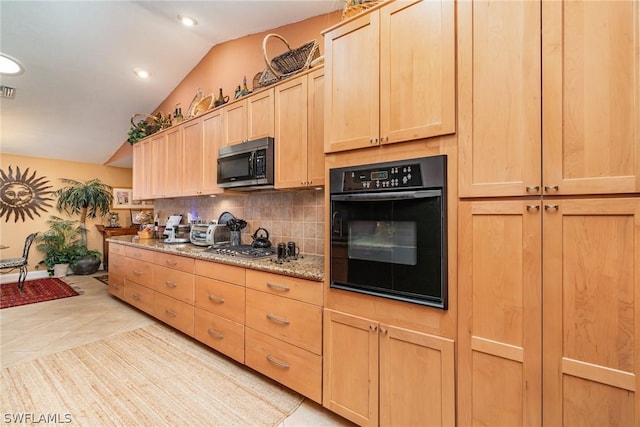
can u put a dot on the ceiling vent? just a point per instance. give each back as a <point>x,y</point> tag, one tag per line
<point>7,92</point>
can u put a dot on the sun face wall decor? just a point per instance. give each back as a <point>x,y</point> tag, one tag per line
<point>23,195</point>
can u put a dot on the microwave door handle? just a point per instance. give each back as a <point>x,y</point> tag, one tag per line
<point>381,197</point>
<point>251,164</point>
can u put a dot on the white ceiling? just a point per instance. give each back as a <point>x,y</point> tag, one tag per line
<point>78,92</point>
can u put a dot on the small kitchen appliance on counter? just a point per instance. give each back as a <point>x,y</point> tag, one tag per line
<point>212,234</point>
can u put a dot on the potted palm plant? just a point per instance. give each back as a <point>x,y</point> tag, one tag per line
<point>89,199</point>
<point>59,244</point>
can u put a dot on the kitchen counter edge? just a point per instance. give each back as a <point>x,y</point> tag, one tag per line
<point>311,267</point>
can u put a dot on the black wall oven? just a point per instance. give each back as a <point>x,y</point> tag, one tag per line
<point>389,230</point>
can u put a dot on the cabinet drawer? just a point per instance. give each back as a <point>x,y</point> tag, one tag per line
<point>174,283</point>
<point>224,272</point>
<point>139,296</point>
<point>137,253</point>
<point>138,271</point>
<point>221,298</point>
<point>219,333</point>
<point>173,261</point>
<point>292,366</point>
<point>116,285</point>
<point>295,322</point>
<point>117,264</point>
<point>116,249</point>
<point>287,286</point>
<point>174,313</point>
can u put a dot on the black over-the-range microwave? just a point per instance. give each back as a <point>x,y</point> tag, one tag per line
<point>248,165</point>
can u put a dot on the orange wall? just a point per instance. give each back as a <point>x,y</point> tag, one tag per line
<point>227,63</point>
<point>13,233</point>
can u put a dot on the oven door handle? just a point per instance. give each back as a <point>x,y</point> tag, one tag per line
<point>381,197</point>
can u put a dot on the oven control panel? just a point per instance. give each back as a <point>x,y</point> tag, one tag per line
<point>399,176</point>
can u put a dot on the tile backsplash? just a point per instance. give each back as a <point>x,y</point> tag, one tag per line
<point>287,215</point>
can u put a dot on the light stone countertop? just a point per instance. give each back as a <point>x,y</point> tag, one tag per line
<point>309,267</point>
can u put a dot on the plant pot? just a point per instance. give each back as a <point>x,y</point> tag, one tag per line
<point>60,270</point>
<point>86,265</point>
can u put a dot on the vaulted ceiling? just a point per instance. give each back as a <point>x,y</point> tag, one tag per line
<point>78,91</point>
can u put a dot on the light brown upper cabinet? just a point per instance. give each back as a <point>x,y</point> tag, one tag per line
<point>201,139</point>
<point>142,169</point>
<point>249,118</point>
<point>299,131</point>
<point>580,133</point>
<point>390,75</point>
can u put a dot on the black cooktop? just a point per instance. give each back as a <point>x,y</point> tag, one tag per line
<point>244,251</point>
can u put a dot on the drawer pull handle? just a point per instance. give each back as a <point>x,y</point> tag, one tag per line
<point>278,287</point>
<point>215,299</point>
<point>533,208</point>
<point>136,297</point>
<point>550,207</point>
<point>215,334</point>
<point>170,313</point>
<point>550,188</point>
<point>277,362</point>
<point>532,188</point>
<point>170,284</point>
<point>277,319</point>
<point>171,262</point>
<point>137,272</point>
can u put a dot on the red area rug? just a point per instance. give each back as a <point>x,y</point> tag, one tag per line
<point>38,290</point>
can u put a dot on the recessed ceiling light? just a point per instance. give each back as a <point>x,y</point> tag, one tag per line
<point>10,66</point>
<point>187,20</point>
<point>143,74</point>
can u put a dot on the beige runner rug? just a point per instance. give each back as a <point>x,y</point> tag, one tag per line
<point>151,376</point>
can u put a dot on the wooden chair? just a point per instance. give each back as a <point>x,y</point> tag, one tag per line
<point>22,262</point>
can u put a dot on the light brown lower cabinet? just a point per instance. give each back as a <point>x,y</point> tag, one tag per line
<point>173,312</point>
<point>379,374</point>
<point>283,336</point>
<point>220,333</point>
<point>209,301</point>
<point>549,332</point>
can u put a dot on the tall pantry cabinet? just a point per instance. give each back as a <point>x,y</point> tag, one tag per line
<point>549,217</point>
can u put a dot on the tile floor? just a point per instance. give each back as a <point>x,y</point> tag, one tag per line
<point>35,330</point>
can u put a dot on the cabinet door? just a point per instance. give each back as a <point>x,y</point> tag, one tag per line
<point>591,102</point>
<point>417,379</point>
<point>291,133</point>
<point>417,70</point>
<point>315,128</point>
<point>158,156</point>
<point>213,137</point>
<point>173,170</point>
<point>499,350</point>
<point>352,84</point>
<point>142,169</point>
<point>260,115</point>
<point>591,306</point>
<point>350,367</point>
<point>192,159</point>
<point>499,92</point>
<point>235,122</point>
